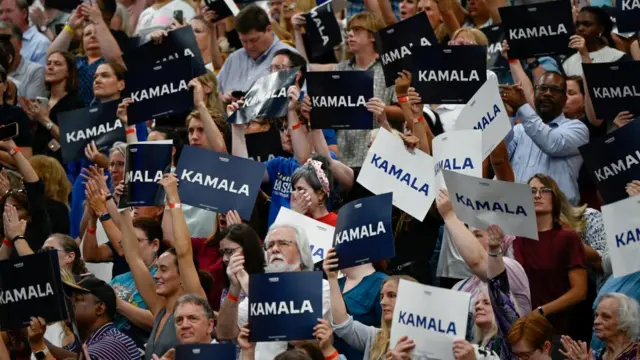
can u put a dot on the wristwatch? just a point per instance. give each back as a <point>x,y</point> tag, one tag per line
<point>41,354</point>
<point>540,310</point>
<point>49,125</point>
<point>104,217</point>
<point>42,28</point>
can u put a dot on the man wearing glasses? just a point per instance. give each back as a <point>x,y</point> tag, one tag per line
<point>545,141</point>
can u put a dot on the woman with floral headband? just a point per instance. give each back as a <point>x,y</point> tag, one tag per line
<point>311,190</point>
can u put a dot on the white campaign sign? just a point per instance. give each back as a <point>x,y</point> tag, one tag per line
<point>320,234</point>
<point>481,203</point>
<point>622,225</point>
<point>459,151</point>
<point>430,316</point>
<point>390,167</point>
<point>485,111</point>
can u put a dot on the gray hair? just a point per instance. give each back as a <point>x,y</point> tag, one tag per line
<point>302,241</point>
<point>15,29</point>
<point>196,300</point>
<point>628,314</point>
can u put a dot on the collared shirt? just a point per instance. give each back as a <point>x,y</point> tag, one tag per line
<point>353,143</point>
<point>107,343</point>
<point>35,45</point>
<point>240,71</point>
<point>551,149</point>
<point>30,79</point>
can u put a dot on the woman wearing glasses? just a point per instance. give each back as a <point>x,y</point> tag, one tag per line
<point>555,264</point>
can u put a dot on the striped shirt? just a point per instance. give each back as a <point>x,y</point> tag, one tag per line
<point>107,343</point>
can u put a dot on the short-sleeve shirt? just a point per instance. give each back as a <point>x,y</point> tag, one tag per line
<point>10,114</point>
<point>107,343</point>
<point>280,170</point>
<point>547,263</point>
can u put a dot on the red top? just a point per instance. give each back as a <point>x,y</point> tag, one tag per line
<point>329,219</point>
<point>208,259</point>
<point>547,263</point>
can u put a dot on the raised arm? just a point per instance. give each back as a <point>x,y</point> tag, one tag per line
<point>63,40</point>
<point>182,239</point>
<point>299,21</point>
<point>519,75</point>
<point>214,136</point>
<point>341,172</point>
<point>297,130</point>
<point>388,16</point>
<point>108,45</point>
<point>339,312</point>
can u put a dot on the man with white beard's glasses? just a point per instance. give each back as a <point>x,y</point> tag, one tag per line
<point>287,249</point>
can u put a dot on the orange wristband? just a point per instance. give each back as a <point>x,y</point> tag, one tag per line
<point>232,298</point>
<point>332,356</point>
<point>296,126</point>
<point>14,151</point>
<point>175,206</point>
<point>419,120</point>
<point>91,231</point>
<point>7,243</point>
<point>513,61</point>
<point>403,99</point>
<point>130,131</point>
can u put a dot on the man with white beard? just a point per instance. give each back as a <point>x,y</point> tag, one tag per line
<point>288,249</point>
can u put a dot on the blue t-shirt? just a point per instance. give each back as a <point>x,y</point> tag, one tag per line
<point>330,136</point>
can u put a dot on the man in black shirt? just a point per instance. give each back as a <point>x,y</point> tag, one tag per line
<point>10,114</point>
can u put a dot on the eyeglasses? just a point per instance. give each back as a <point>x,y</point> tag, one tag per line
<point>115,164</point>
<point>553,89</point>
<point>278,67</point>
<point>541,191</point>
<point>228,251</point>
<point>524,355</point>
<point>281,244</point>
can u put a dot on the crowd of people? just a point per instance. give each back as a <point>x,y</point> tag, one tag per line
<point>144,280</point>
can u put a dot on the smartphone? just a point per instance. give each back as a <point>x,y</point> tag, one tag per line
<point>8,131</point>
<point>178,15</point>
<point>238,94</point>
<point>42,101</point>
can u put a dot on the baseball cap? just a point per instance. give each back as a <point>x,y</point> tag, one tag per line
<point>96,287</point>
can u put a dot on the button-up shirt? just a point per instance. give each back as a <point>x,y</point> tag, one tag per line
<point>240,71</point>
<point>35,45</point>
<point>551,149</point>
<point>29,78</point>
<point>107,343</point>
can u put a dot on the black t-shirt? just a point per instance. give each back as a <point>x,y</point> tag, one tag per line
<point>10,114</point>
<point>42,136</point>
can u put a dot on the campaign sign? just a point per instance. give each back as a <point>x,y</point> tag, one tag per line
<point>320,234</point>
<point>178,44</point>
<point>267,97</point>
<point>323,29</point>
<point>159,90</point>
<point>30,286</point>
<point>409,175</point>
<point>147,162</point>
<point>432,317</point>
<point>363,231</point>
<point>218,182</point>
<point>539,29</point>
<point>205,351</point>
<point>481,203</point>
<point>459,151</point>
<point>627,15</point>
<point>63,5</point>
<point>397,42</point>
<point>486,112</point>
<point>613,87</point>
<point>284,306</point>
<point>264,146</point>
<point>614,161</point>
<point>338,99</point>
<point>622,226</point>
<point>222,8</point>
<point>495,35</point>
<point>449,74</point>
<point>81,126</point>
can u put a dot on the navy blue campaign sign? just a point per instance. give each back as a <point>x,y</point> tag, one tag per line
<point>613,87</point>
<point>159,90</point>
<point>30,286</point>
<point>396,44</point>
<point>539,29</point>
<point>323,29</point>
<point>628,15</point>
<point>147,162</point>
<point>284,306</point>
<point>449,74</point>
<point>267,97</point>
<point>614,161</point>
<point>363,232</point>
<point>223,8</point>
<point>79,127</point>
<point>178,44</point>
<point>338,99</point>
<point>218,182</point>
<point>495,35</point>
<point>205,352</point>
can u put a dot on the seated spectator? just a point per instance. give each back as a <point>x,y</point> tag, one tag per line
<point>28,75</point>
<point>531,337</point>
<point>69,256</point>
<point>34,44</point>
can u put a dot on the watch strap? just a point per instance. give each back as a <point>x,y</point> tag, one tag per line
<point>104,217</point>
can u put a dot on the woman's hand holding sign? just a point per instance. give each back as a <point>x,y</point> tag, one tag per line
<point>376,106</point>
<point>247,347</point>
<point>330,265</point>
<point>35,334</point>
<point>402,351</point>
<point>463,350</point>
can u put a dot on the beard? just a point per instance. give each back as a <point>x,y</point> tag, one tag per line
<point>280,266</point>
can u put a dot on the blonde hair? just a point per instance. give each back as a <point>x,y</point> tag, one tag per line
<point>381,342</point>
<point>479,336</point>
<point>213,101</point>
<point>56,184</point>
<point>573,217</point>
<point>478,36</point>
<point>366,20</point>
